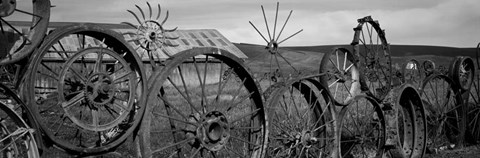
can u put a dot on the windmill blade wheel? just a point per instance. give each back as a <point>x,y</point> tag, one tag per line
<point>87,95</point>
<point>204,103</point>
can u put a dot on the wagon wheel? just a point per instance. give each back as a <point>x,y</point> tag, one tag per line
<point>473,123</point>
<point>412,72</point>
<point>302,119</point>
<point>21,42</point>
<point>280,67</point>
<point>85,87</point>
<point>342,75</point>
<point>373,52</point>
<point>428,67</point>
<point>462,72</point>
<point>445,112</point>
<point>361,131</point>
<point>198,113</point>
<point>17,137</point>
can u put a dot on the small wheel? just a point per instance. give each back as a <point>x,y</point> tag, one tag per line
<point>361,128</point>
<point>462,72</point>
<point>342,76</point>
<point>373,52</point>
<point>412,72</point>
<point>85,88</point>
<point>197,113</point>
<point>19,42</point>
<point>445,111</point>
<point>17,137</point>
<point>302,119</point>
<point>428,67</point>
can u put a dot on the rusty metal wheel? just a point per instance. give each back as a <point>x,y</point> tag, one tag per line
<point>86,87</point>
<point>204,103</point>
<point>342,76</point>
<point>462,72</point>
<point>17,136</point>
<point>473,114</point>
<point>446,118</point>
<point>373,52</point>
<point>406,122</point>
<point>361,131</point>
<point>16,42</point>
<point>412,72</point>
<point>428,67</point>
<point>302,119</point>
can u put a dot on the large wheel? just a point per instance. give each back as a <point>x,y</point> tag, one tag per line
<point>341,75</point>
<point>412,72</point>
<point>473,123</point>
<point>15,42</point>
<point>86,87</point>
<point>302,119</point>
<point>445,112</point>
<point>361,131</point>
<point>373,52</point>
<point>17,137</point>
<point>197,113</point>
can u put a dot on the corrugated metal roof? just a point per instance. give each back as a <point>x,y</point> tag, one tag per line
<point>187,39</point>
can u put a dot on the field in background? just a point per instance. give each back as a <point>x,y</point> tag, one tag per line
<point>307,58</point>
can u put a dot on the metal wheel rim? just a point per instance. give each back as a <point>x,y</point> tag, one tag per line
<point>372,63</point>
<point>193,140</point>
<point>110,139</point>
<point>40,15</point>
<point>342,75</point>
<point>293,136</point>
<point>346,146</point>
<point>445,118</point>
<point>412,72</point>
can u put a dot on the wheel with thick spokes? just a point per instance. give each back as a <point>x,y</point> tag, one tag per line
<point>341,75</point>
<point>361,131</point>
<point>17,137</point>
<point>302,119</point>
<point>204,103</point>
<point>373,53</point>
<point>446,118</point>
<point>21,42</point>
<point>86,87</point>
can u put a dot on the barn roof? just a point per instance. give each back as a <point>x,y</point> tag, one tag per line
<point>187,39</point>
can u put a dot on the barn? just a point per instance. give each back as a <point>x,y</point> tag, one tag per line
<point>187,39</point>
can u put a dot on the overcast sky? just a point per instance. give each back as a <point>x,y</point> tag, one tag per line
<point>414,22</point>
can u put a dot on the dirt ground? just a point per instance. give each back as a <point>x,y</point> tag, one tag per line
<point>466,152</point>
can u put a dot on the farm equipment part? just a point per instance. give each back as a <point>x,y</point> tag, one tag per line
<point>412,72</point>
<point>85,98</point>
<point>302,119</point>
<point>218,114</point>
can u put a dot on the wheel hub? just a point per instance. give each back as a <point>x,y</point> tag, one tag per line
<point>99,90</point>
<point>214,131</point>
<point>7,7</point>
